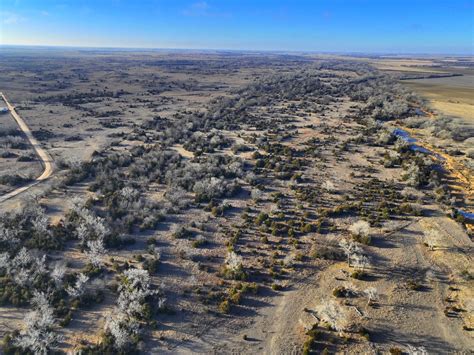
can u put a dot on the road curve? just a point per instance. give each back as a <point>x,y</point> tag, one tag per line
<point>42,154</point>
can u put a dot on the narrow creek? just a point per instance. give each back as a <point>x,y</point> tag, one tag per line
<point>412,141</point>
<point>399,132</point>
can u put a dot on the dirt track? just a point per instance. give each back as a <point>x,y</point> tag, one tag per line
<point>42,154</point>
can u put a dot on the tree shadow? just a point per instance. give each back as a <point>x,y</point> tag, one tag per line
<point>384,335</point>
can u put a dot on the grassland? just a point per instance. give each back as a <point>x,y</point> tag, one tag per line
<point>232,203</point>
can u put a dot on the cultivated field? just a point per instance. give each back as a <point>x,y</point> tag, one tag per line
<point>452,96</point>
<point>232,203</point>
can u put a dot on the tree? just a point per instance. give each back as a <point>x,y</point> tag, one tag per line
<point>5,262</point>
<point>121,328</point>
<point>58,272</point>
<point>412,175</point>
<point>37,334</point>
<point>79,287</point>
<point>177,197</point>
<point>350,248</point>
<point>24,267</point>
<point>8,236</point>
<point>88,226</point>
<point>96,252</point>
<point>40,223</point>
<point>134,289</point>
<point>128,196</point>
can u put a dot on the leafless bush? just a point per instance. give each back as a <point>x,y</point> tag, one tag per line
<point>431,238</point>
<point>360,229</point>
<point>333,314</point>
<point>372,295</point>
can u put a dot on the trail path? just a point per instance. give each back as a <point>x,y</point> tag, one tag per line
<point>42,154</point>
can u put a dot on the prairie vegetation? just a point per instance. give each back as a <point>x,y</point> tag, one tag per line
<point>233,204</point>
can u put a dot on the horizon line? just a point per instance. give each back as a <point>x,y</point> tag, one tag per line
<point>131,48</point>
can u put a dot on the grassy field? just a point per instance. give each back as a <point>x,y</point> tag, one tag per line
<point>453,96</point>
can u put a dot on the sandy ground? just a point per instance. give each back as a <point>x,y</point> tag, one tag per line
<point>273,321</point>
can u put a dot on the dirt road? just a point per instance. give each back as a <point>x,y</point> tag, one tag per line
<point>45,158</point>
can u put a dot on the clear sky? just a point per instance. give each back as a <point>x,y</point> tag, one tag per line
<point>379,26</point>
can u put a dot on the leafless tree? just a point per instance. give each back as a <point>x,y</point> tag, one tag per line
<point>79,287</point>
<point>233,261</point>
<point>413,350</point>
<point>58,272</point>
<point>96,252</point>
<point>329,186</point>
<point>350,248</point>
<point>38,333</point>
<point>360,261</point>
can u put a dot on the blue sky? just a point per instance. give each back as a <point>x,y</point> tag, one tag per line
<point>379,26</point>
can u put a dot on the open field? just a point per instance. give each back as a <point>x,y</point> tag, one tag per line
<point>234,203</point>
<point>449,96</point>
<point>453,96</point>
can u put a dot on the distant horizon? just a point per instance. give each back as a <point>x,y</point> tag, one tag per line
<point>330,26</point>
<point>243,50</point>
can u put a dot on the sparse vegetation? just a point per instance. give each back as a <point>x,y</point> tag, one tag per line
<point>192,191</point>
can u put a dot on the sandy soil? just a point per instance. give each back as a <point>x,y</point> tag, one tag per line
<point>272,321</point>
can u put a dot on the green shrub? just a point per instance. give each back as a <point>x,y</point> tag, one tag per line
<point>224,307</point>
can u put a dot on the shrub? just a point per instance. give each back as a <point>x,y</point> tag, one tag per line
<point>181,232</point>
<point>13,180</point>
<point>276,287</point>
<point>360,229</point>
<point>358,274</point>
<point>224,307</point>
<point>233,267</point>
<point>199,241</point>
<point>262,217</point>
<point>339,291</point>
